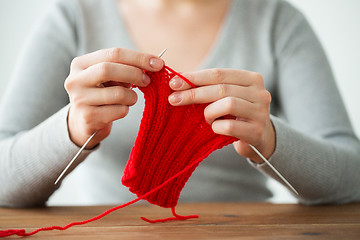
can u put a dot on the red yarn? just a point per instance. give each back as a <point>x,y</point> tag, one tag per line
<point>169,139</point>
<point>21,232</point>
<point>176,217</point>
<point>171,143</point>
<point>181,76</point>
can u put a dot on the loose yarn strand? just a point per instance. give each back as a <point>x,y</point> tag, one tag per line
<point>181,76</point>
<point>21,232</point>
<point>176,217</point>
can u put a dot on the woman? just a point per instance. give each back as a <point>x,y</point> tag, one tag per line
<point>237,52</point>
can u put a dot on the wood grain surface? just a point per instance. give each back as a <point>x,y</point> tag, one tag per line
<point>216,221</point>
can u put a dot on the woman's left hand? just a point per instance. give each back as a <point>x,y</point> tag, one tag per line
<point>239,94</point>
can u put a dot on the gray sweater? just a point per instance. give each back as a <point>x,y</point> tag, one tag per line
<point>316,149</point>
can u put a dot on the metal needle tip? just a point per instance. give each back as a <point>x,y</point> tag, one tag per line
<point>162,53</point>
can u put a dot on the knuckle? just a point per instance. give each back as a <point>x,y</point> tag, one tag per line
<point>222,90</point>
<point>267,97</point>
<point>230,104</point>
<point>192,94</point>
<point>114,53</point>
<point>69,84</point>
<point>75,62</point>
<point>118,94</point>
<point>104,69</point>
<point>142,60</point>
<point>258,78</point>
<point>76,99</point>
<point>217,75</point>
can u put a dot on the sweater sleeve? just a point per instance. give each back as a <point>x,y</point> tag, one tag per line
<point>316,148</point>
<point>34,140</point>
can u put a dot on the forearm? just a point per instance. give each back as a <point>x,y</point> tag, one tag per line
<point>323,169</point>
<point>32,160</point>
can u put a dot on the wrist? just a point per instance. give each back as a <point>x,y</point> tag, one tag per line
<point>267,147</point>
<point>270,142</point>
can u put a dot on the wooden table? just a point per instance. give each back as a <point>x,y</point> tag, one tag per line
<point>216,221</point>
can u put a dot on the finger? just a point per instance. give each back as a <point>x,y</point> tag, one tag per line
<point>119,55</point>
<point>232,106</point>
<point>103,115</point>
<point>110,96</point>
<point>109,113</point>
<point>243,130</point>
<point>211,93</point>
<point>245,150</point>
<point>215,76</point>
<point>105,72</point>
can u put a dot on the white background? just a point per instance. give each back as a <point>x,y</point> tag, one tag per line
<point>337,23</point>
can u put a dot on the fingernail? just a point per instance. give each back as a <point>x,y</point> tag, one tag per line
<point>175,98</point>
<point>176,83</point>
<point>145,79</point>
<point>156,63</point>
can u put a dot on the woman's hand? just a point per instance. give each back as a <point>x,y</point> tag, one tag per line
<point>99,90</point>
<point>239,106</point>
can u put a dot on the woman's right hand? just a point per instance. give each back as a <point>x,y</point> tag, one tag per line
<point>99,90</point>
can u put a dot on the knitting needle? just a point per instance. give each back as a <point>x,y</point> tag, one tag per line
<point>273,168</point>
<point>75,157</point>
<point>262,157</point>
<point>162,53</point>
<point>85,144</point>
<point>255,150</point>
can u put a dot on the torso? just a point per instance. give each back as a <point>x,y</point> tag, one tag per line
<point>153,28</point>
<point>224,175</point>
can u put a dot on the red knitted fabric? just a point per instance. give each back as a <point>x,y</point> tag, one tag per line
<point>171,143</point>
<point>169,139</point>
